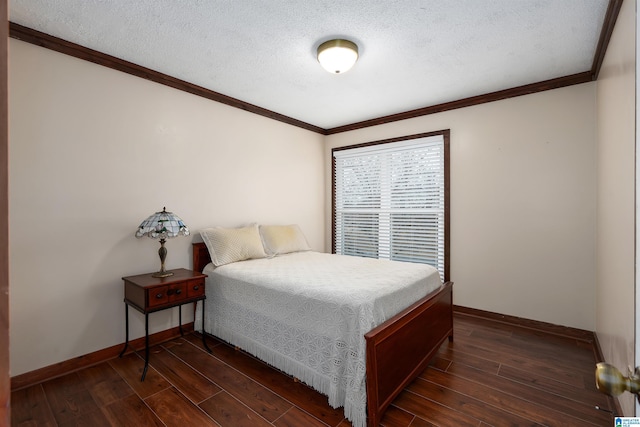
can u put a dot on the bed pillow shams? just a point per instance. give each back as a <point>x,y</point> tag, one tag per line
<point>227,245</point>
<point>283,239</point>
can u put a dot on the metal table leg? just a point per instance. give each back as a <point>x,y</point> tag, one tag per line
<point>146,346</point>
<point>126,321</point>
<point>204,340</point>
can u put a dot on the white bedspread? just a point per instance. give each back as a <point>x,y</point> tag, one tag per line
<point>306,313</point>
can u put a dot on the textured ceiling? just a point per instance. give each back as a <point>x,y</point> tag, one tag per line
<point>413,53</point>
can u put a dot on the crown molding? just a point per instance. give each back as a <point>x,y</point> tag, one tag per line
<point>47,41</point>
<point>469,102</point>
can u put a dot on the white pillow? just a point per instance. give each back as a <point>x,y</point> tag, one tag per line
<point>283,239</point>
<point>227,245</point>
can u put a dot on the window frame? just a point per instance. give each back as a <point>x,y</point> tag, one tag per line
<point>447,173</point>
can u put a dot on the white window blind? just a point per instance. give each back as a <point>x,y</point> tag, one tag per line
<point>390,201</point>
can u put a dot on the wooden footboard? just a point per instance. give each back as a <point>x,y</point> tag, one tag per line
<point>400,349</point>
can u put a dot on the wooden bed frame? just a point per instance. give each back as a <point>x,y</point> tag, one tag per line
<point>397,350</point>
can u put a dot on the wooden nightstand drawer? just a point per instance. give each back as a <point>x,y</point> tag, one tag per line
<point>157,296</point>
<point>177,292</point>
<point>168,294</point>
<point>195,288</point>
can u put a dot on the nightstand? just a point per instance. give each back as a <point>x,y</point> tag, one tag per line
<point>149,294</point>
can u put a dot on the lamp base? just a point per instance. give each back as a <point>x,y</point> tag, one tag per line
<point>162,274</point>
<point>162,252</point>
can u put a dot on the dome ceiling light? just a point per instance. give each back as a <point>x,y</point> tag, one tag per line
<point>337,56</point>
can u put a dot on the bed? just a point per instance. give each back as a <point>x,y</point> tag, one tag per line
<point>390,340</point>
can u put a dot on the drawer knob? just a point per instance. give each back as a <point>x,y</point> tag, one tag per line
<point>158,296</point>
<point>196,287</point>
<point>178,291</point>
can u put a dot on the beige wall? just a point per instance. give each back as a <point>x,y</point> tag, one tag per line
<point>92,153</point>
<point>616,107</point>
<point>522,202</point>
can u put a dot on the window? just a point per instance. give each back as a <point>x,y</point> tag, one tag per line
<point>391,199</point>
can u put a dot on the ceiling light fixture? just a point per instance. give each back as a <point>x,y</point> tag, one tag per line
<point>337,56</point>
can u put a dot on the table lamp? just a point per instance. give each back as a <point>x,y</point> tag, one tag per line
<point>162,225</point>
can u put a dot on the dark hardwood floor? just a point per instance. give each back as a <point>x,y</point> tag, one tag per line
<point>492,374</point>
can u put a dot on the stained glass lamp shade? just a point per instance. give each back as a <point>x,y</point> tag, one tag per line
<point>162,225</point>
